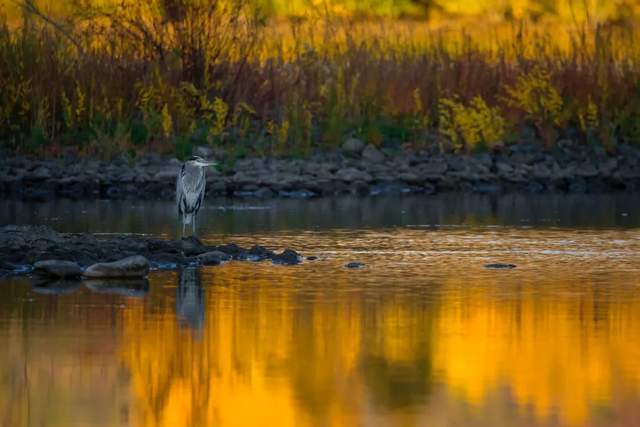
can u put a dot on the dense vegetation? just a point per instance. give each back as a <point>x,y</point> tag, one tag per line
<point>167,74</point>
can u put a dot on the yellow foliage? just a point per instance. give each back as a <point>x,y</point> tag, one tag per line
<point>417,101</point>
<point>80,103</point>
<point>167,121</point>
<point>221,110</point>
<point>536,96</point>
<point>67,109</point>
<point>307,124</point>
<point>589,116</point>
<point>144,97</point>
<point>470,125</point>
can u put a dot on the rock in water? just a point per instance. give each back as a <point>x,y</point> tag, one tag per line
<point>355,265</point>
<point>57,268</point>
<point>212,258</point>
<point>192,246</point>
<point>287,257</point>
<point>134,266</point>
<point>500,266</point>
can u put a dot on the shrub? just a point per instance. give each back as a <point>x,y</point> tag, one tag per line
<point>470,127</point>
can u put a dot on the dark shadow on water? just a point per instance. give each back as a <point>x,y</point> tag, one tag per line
<point>128,288</point>
<point>190,299</point>
<point>56,287</point>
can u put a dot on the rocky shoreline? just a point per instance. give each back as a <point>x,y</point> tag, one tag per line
<point>25,249</point>
<point>357,169</point>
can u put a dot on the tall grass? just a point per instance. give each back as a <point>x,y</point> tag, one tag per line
<point>165,75</point>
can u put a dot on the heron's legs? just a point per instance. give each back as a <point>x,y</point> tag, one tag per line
<point>193,225</point>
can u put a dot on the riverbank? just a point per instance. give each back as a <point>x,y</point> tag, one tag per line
<point>357,169</point>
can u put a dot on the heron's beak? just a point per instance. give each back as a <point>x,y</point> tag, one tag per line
<point>206,164</point>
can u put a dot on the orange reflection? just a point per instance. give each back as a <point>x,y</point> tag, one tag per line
<point>252,344</point>
<point>270,354</point>
<point>558,353</point>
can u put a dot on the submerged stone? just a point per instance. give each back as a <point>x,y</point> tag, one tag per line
<point>192,246</point>
<point>287,257</point>
<point>355,265</point>
<point>212,258</point>
<point>500,266</point>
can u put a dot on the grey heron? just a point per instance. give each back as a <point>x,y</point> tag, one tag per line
<point>190,190</point>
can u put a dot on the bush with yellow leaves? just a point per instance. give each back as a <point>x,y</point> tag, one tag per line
<point>535,95</point>
<point>470,127</point>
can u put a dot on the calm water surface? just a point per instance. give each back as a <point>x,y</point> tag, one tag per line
<point>423,336</point>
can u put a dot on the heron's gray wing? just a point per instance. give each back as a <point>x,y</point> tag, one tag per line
<point>180,190</point>
<point>193,183</point>
<point>203,189</point>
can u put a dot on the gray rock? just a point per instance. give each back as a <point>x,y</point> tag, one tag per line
<point>352,175</point>
<point>577,185</point>
<point>230,249</point>
<point>607,167</point>
<point>40,173</point>
<point>132,267</point>
<point>629,172</point>
<point>458,163</point>
<point>534,187</point>
<point>264,193</point>
<point>355,265</point>
<point>500,266</point>
<point>191,246</point>
<point>487,188</point>
<point>287,257</point>
<point>393,188</point>
<point>541,171</point>
<point>411,178</point>
<point>434,169</point>
<point>261,252</point>
<point>212,258</point>
<point>504,169</point>
<point>429,188</point>
<point>57,268</point>
<point>484,159</point>
<point>586,170</point>
<point>297,194</point>
<point>353,147</point>
<point>372,154</point>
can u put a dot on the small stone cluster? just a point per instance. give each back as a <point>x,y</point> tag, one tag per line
<point>69,255</point>
<point>356,169</point>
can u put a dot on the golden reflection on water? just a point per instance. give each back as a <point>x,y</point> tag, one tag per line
<point>439,341</point>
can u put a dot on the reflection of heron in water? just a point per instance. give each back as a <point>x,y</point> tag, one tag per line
<point>190,299</point>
